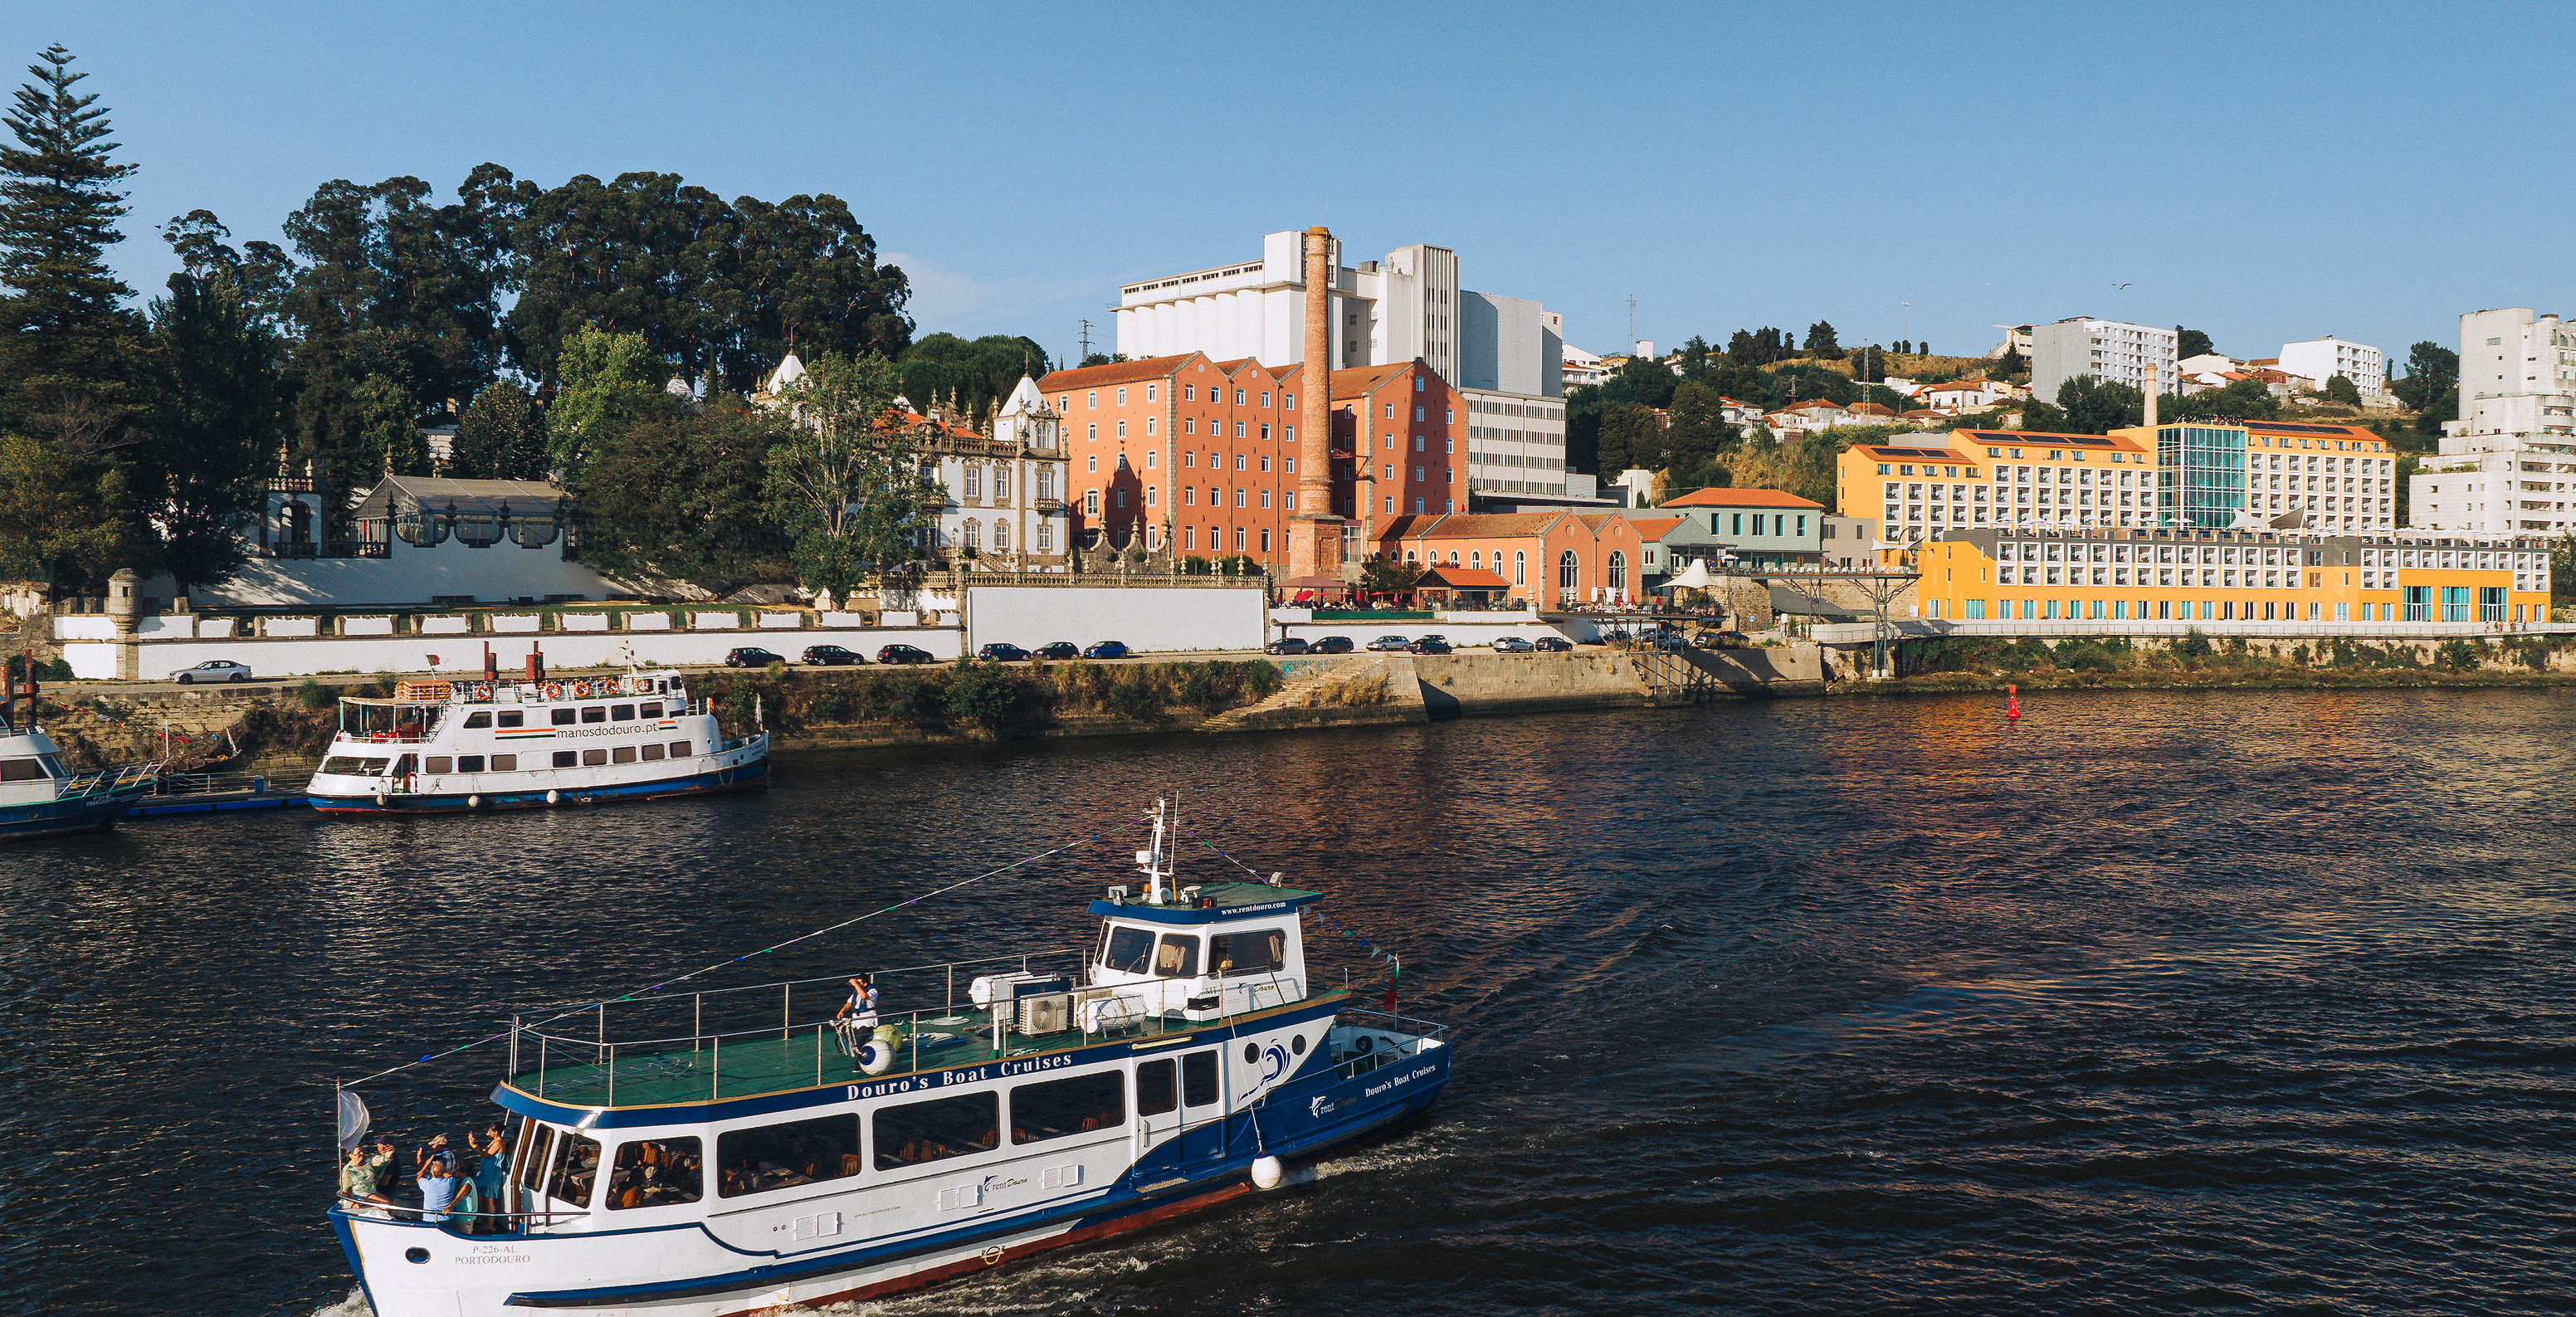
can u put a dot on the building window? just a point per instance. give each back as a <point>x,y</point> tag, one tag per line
<point>1122,429</point>
<point>1092,400</point>
<point>1569,573</point>
<point>1046,537</point>
<point>1520,567</point>
<point>1092,432</point>
<point>1618,570</point>
<point>1122,397</point>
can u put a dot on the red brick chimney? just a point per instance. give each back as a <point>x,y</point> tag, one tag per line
<point>1315,535</point>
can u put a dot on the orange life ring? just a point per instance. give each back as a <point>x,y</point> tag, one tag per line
<point>554,690</point>
<point>482,690</point>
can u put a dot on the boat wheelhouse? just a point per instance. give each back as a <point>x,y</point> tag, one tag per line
<point>1025,1104</point>
<point>40,797</point>
<point>453,747</point>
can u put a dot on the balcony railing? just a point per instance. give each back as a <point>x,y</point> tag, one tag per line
<point>333,549</point>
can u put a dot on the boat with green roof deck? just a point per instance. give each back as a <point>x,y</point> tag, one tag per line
<point>1051,1098</point>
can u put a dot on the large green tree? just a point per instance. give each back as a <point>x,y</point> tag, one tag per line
<point>2094,406</point>
<point>389,424</point>
<point>1820,341</point>
<point>219,396</point>
<point>65,519</point>
<point>397,285</point>
<point>2189,343</point>
<point>969,380</point>
<point>684,494</point>
<point>502,436</point>
<point>843,484</point>
<point>1630,437</point>
<point>609,381</point>
<point>2430,386</point>
<point>68,344</point>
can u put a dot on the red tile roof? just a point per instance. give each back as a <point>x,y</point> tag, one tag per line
<point>1729,497</point>
<point>1464,525</point>
<point>1462,578</point>
<point>1653,528</point>
<point>1117,372</point>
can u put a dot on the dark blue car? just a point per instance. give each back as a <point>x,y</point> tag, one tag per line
<point>1107,649</point>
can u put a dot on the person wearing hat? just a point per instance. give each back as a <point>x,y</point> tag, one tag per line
<point>862,1004</point>
<point>438,1185</point>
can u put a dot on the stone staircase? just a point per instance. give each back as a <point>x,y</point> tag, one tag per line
<point>1362,690</point>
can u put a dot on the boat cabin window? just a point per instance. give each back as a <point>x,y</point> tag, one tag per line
<point>1154,1091</point>
<point>469,763</point>
<point>679,749</point>
<point>1258,951</point>
<point>575,1170</point>
<point>1178,957</point>
<point>479,718</point>
<point>564,717</point>
<point>514,717</point>
<point>937,1130</point>
<point>352,765</point>
<point>624,713</point>
<point>594,713</point>
<point>594,758</point>
<point>1063,1107</point>
<point>653,751</point>
<point>505,763</point>
<point>653,710</point>
<point>539,1141</point>
<point>776,1156</point>
<point>567,758</point>
<point>30,769</point>
<point>1127,950</point>
<point>1198,1078</point>
<point>656,1173</point>
<point>440,764</point>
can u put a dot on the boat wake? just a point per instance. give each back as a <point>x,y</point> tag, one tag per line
<point>355,1305</point>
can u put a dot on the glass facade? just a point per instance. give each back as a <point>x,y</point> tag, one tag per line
<point>2203,475</point>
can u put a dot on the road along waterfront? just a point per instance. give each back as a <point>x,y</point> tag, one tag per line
<point>2156,1000</point>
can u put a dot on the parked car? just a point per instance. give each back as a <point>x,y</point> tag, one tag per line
<point>751,657</point>
<point>211,670</point>
<point>1512,645</point>
<point>1059,650</point>
<point>997,652</point>
<point>1331,645</point>
<point>1552,645</point>
<point>828,656</point>
<point>1671,641</point>
<point>1705,639</point>
<point>1285,645</point>
<point>1107,649</point>
<point>904,654</point>
<point>1726,640</point>
<point>1389,644</point>
<point>1429,645</point>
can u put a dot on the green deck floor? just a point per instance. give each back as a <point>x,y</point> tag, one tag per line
<point>749,1067</point>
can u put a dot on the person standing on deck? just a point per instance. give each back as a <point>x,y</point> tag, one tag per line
<point>438,1185</point>
<point>862,1003</point>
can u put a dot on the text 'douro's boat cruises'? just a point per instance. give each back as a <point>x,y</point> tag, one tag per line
<point>1068,1096</point>
<point>442,747</point>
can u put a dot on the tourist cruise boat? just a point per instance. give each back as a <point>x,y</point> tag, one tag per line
<point>39,797</point>
<point>1070,1096</point>
<point>442,747</point>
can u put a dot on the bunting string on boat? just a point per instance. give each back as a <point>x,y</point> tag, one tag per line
<point>651,988</point>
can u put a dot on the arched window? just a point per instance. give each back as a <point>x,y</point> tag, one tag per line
<point>1618,570</point>
<point>1569,571</point>
<point>1520,567</point>
<point>1453,557</point>
<point>1476,559</point>
<point>1001,537</point>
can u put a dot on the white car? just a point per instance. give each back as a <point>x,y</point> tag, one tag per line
<point>212,670</point>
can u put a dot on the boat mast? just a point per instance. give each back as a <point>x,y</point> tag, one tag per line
<point>1151,861</point>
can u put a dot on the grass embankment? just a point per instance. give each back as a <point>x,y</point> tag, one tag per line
<point>2199,661</point>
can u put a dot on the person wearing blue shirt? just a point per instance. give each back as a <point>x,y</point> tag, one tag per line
<point>438,1185</point>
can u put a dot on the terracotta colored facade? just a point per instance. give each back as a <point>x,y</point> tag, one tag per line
<point>1546,559</point>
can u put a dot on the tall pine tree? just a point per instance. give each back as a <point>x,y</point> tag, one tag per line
<point>67,340</point>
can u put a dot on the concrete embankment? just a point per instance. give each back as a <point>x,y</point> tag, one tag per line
<point>1373,689</point>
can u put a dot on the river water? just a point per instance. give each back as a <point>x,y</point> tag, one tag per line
<point>2155,1001</point>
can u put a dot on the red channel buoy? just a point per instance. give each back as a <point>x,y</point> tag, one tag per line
<point>2012,703</point>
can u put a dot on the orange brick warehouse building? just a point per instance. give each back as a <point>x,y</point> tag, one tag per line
<point>1200,457</point>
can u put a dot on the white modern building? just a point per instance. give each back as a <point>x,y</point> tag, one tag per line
<point>2108,350</point>
<point>2324,357</point>
<point>2508,465</point>
<point>1506,355</point>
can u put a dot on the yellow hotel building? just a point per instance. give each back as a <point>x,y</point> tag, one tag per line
<point>2152,525</point>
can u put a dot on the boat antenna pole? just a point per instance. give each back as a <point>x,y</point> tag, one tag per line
<point>1152,860</point>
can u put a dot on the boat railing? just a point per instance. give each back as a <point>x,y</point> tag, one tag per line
<point>111,781</point>
<point>562,1066</point>
<point>1416,1033</point>
<point>410,1214</point>
<point>211,784</point>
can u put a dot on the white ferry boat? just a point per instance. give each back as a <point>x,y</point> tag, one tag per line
<point>1073,1096</point>
<point>441,747</point>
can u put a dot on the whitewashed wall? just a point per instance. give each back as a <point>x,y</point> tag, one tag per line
<point>270,658</point>
<point>1146,619</point>
<point>411,576</point>
<point>1456,632</point>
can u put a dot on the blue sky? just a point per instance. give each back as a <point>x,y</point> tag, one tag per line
<point>2265,173</point>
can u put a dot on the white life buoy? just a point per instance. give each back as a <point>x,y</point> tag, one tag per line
<point>554,797</point>
<point>875,1056</point>
<point>474,802</point>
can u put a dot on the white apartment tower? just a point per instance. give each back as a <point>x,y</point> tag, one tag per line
<point>1505,354</point>
<point>2107,350</point>
<point>2508,465</point>
<point>2325,357</point>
